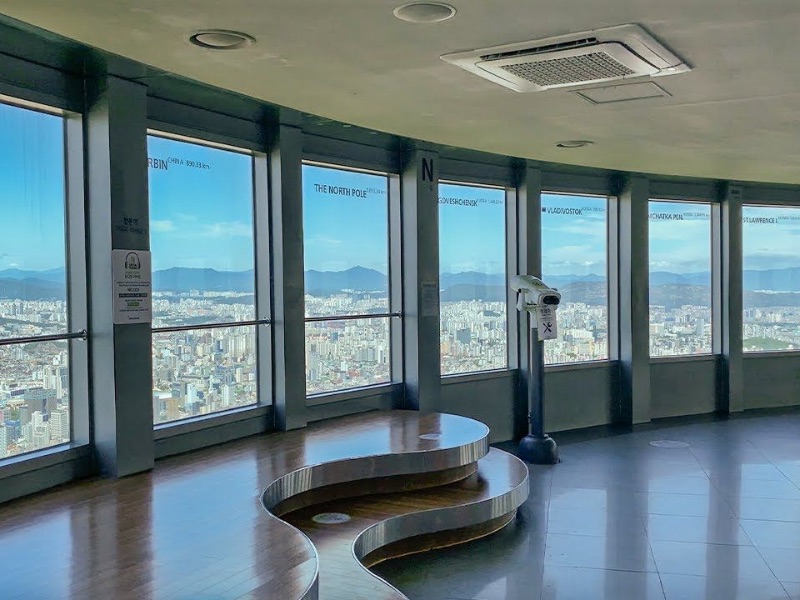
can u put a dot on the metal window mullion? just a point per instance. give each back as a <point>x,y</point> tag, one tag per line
<point>716,278</point>
<point>76,277</point>
<point>512,266</point>
<point>263,277</point>
<point>395,224</point>
<point>612,278</point>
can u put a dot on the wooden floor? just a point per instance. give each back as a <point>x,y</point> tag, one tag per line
<point>196,527</point>
<point>342,576</point>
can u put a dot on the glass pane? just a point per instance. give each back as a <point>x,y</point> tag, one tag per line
<point>680,278</point>
<point>346,354</point>
<point>346,242</point>
<point>771,279</point>
<point>574,251</point>
<point>201,234</point>
<point>203,371</point>
<point>33,290</point>
<point>34,397</point>
<point>472,266</point>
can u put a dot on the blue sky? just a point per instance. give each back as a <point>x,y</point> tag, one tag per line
<point>771,237</point>
<point>200,217</point>
<point>31,190</point>
<point>342,231</point>
<point>472,234</point>
<point>681,244</point>
<point>574,235</point>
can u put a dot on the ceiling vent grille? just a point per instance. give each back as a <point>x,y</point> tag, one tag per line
<point>595,66</point>
<point>606,55</point>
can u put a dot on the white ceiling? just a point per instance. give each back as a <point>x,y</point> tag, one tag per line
<point>736,115</point>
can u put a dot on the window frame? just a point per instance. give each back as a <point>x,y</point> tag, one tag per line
<point>714,265</point>
<point>611,269</point>
<point>779,205</point>
<point>75,272</point>
<point>262,259</point>
<point>510,258</point>
<point>395,311</point>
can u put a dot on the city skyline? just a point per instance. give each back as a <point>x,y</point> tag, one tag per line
<point>201,229</point>
<point>472,313</point>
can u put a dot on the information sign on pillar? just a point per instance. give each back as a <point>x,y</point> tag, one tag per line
<point>119,277</point>
<point>133,302</point>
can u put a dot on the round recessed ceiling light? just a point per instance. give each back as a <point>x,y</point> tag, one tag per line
<point>574,144</point>
<point>424,12</point>
<point>221,39</point>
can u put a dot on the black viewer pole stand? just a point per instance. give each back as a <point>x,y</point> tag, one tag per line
<point>537,447</point>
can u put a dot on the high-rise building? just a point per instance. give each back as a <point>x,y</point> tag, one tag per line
<point>59,426</point>
<point>189,396</point>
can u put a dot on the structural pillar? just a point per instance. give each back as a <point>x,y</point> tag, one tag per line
<point>420,210</point>
<point>634,302</point>
<point>731,396</point>
<point>286,194</point>
<point>529,261</point>
<point>118,218</point>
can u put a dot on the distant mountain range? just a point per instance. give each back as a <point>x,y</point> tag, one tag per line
<point>669,289</point>
<point>56,275</point>
<point>32,288</point>
<point>361,279</point>
<point>182,280</point>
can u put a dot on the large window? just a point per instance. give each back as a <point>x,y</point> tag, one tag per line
<point>35,408</point>
<point>473,290</point>
<point>204,316</point>
<point>771,278</point>
<point>680,278</point>
<point>348,309</point>
<point>574,251</point>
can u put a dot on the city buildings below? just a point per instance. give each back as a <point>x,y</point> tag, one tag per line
<point>207,370</point>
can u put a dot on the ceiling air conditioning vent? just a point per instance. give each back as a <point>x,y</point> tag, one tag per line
<point>539,49</point>
<point>606,55</point>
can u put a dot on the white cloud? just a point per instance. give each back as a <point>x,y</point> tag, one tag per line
<point>226,229</point>
<point>480,266</point>
<point>162,226</point>
<point>681,231</point>
<point>582,227</point>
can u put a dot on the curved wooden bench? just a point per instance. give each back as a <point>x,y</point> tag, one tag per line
<point>386,451</point>
<point>389,525</point>
<point>196,527</point>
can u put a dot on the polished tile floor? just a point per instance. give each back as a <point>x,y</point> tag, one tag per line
<point>619,518</point>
